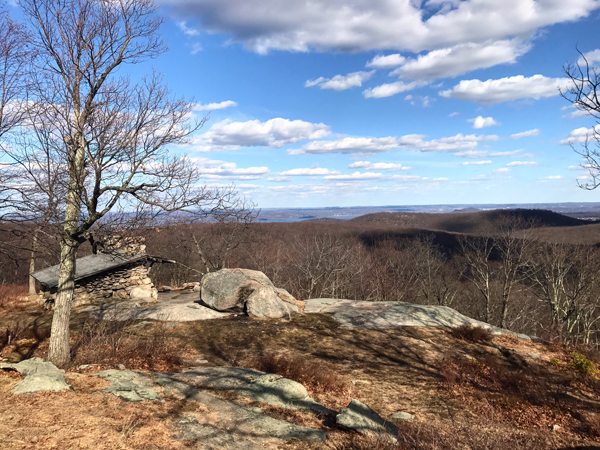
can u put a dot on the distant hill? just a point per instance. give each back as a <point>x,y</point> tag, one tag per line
<point>481,222</point>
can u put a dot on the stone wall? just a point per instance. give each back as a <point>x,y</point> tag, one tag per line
<point>122,283</point>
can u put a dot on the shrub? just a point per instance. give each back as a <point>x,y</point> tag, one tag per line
<point>10,293</point>
<point>472,333</point>
<point>555,361</point>
<point>103,342</point>
<point>584,365</point>
<point>316,377</point>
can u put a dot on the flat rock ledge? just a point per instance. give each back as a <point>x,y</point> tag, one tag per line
<point>384,315</point>
<point>129,385</point>
<point>258,386</point>
<point>39,376</point>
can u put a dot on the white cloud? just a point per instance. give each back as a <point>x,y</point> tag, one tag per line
<point>486,154</point>
<point>521,163</point>
<point>341,82</point>
<point>358,25</point>
<point>355,176</point>
<point>476,163</point>
<point>273,133</point>
<point>278,179</point>
<point>214,106</point>
<point>309,172</point>
<point>196,48</point>
<point>387,62</point>
<point>348,145</point>
<point>506,89</point>
<point>551,177</point>
<point>527,133</point>
<point>378,145</point>
<point>592,58</point>
<point>389,89</point>
<point>367,165</point>
<point>453,114</point>
<point>581,135</point>
<point>460,59</point>
<point>187,30</point>
<point>483,122</point>
<point>214,169</point>
<point>502,169</point>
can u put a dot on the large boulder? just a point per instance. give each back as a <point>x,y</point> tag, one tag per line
<point>246,290</point>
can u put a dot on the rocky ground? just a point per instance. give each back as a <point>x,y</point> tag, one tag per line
<point>432,387</point>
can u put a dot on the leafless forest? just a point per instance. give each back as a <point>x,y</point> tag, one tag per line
<point>534,272</point>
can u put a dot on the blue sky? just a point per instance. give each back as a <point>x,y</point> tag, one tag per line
<point>381,102</point>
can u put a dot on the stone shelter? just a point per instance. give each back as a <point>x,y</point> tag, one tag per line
<point>104,277</point>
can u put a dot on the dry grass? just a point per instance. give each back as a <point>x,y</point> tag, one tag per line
<point>317,377</point>
<point>472,333</point>
<point>103,342</point>
<point>12,296</point>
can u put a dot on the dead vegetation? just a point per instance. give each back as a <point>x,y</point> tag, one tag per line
<point>317,377</point>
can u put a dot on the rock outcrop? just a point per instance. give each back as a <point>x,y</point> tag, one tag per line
<point>247,290</point>
<point>39,376</point>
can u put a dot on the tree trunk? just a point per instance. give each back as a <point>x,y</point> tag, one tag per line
<point>60,351</point>
<point>34,247</point>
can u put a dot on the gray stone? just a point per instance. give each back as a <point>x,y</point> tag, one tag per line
<point>384,315</point>
<point>120,366</point>
<point>129,385</point>
<point>401,415</point>
<point>210,437</point>
<point>258,386</point>
<point>39,376</point>
<point>359,417</point>
<point>238,419</point>
<point>229,288</point>
<point>533,355</point>
<point>264,302</point>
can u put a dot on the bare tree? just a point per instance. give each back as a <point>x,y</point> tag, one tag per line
<point>112,135</point>
<point>214,238</point>
<point>477,253</point>
<point>14,60</point>
<point>584,94</point>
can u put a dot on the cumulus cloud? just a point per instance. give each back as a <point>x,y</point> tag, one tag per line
<point>476,163</point>
<point>274,133</point>
<point>187,30</point>
<point>527,133</point>
<point>355,176</point>
<point>356,25</point>
<point>378,145</point>
<point>506,89</point>
<point>386,62</point>
<point>486,154</point>
<point>214,169</point>
<point>460,59</point>
<point>214,106</point>
<point>483,122</point>
<point>521,163</point>
<point>341,82</point>
<point>309,172</point>
<point>592,58</point>
<point>389,89</point>
<point>367,165</point>
<point>581,135</point>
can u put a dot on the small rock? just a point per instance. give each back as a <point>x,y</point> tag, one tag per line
<point>401,415</point>
<point>555,427</point>
<point>359,417</point>
<point>533,355</point>
<point>86,366</point>
<point>120,366</point>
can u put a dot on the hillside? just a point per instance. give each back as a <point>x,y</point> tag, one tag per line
<point>481,222</point>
